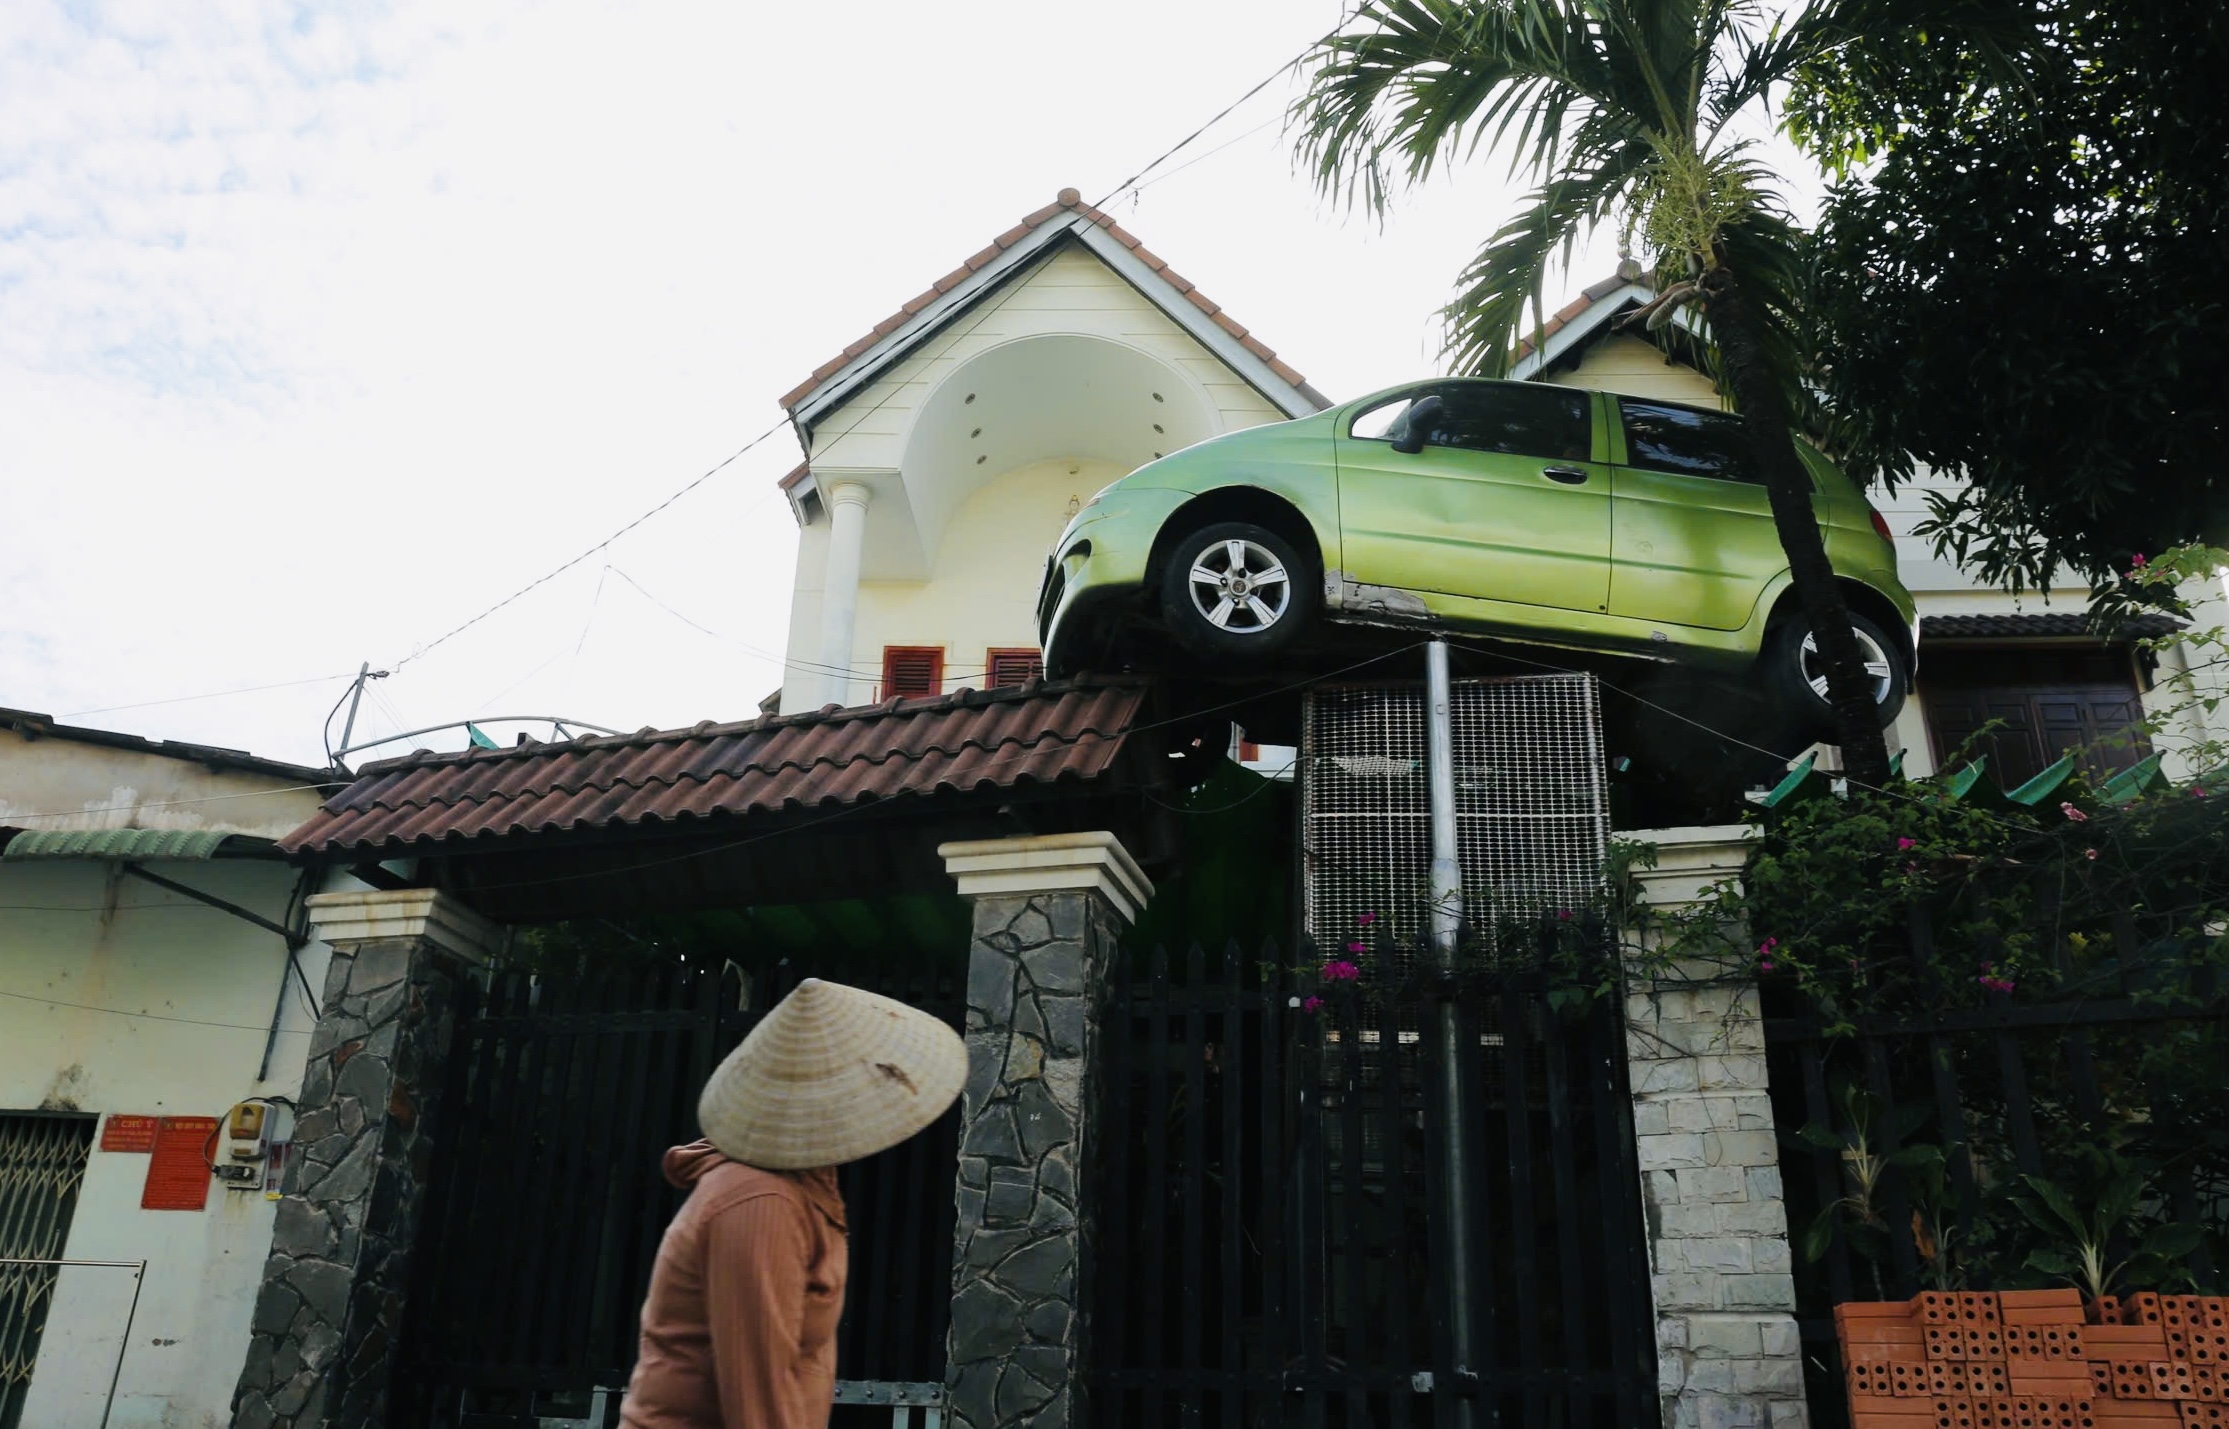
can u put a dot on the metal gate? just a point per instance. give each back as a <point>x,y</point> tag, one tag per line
<point>546,1203</point>
<point>1271,1242</point>
<point>42,1164</point>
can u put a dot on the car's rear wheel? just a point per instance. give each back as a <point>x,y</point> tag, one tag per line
<point>1239,591</point>
<point>1796,677</point>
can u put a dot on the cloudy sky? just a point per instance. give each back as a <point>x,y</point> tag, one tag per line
<point>323,328</point>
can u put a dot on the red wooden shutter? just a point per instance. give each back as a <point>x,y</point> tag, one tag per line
<point>1012,667</point>
<point>911,671</point>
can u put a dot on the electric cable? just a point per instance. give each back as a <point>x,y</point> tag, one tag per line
<point>212,695</point>
<point>153,1016</point>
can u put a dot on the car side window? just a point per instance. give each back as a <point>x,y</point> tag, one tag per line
<point>1514,419</point>
<point>1689,442</point>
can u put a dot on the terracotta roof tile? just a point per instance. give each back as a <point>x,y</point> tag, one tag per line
<point>1069,200</point>
<point>1034,733</point>
<point>1591,294</point>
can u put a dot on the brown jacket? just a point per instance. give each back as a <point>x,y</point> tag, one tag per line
<point>739,1328</point>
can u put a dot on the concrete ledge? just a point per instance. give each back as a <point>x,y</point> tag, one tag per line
<point>1690,860</point>
<point>372,915</point>
<point>1050,863</point>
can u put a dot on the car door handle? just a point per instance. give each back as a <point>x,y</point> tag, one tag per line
<point>1568,475</point>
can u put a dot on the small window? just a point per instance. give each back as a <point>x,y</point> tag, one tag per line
<point>1512,418</point>
<point>911,671</point>
<point>1689,442</point>
<point>1012,667</point>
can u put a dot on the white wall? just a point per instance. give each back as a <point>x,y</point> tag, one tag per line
<point>974,585</point>
<point>118,996</point>
<point>982,593</point>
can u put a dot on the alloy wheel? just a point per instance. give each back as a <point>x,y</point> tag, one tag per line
<point>1239,586</point>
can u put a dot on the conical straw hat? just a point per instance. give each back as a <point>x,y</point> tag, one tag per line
<point>832,1074</point>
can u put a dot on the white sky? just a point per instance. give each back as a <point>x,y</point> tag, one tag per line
<point>324,327</point>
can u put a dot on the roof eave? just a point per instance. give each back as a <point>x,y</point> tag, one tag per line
<point>1293,399</point>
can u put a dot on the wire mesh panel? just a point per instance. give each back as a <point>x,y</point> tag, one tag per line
<point>1532,802</point>
<point>42,1164</point>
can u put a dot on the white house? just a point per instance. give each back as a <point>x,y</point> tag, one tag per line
<point>148,986</point>
<point>945,449</point>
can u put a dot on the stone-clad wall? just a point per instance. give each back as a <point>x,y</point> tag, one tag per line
<point>1721,1267</point>
<point>1718,1233</point>
<point>327,1318</point>
<point>1032,1015</point>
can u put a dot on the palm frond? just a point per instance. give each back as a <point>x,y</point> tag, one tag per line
<point>1419,83</point>
<point>1486,319</point>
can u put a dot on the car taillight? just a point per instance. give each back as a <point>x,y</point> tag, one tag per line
<point>1880,523</point>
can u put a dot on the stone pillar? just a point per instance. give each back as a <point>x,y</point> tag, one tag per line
<point>1721,1266</point>
<point>326,1318</point>
<point>1048,912</point>
<point>839,596</point>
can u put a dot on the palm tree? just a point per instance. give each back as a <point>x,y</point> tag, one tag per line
<point>1619,110</point>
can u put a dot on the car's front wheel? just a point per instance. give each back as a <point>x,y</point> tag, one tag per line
<point>1795,673</point>
<point>1239,591</point>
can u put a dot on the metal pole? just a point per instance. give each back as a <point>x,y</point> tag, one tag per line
<point>355,698</point>
<point>1446,891</point>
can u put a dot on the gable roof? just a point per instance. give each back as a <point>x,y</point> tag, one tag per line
<point>1067,219</point>
<point>1580,319</point>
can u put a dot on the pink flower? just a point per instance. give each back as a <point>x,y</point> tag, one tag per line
<point>2073,813</point>
<point>1764,949</point>
<point>1995,984</point>
<point>1358,948</point>
<point>1765,966</point>
<point>2090,854</point>
<point>1340,970</point>
<point>1365,920</point>
<point>1903,844</point>
<point>1311,1004</point>
<point>1564,914</point>
<point>2137,564</point>
<point>2196,792</point>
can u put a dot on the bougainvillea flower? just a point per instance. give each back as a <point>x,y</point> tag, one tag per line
<point>1903,844</point>
<point>1364,920</point>
<point>2073,813</point>
<point>1311,1004</point>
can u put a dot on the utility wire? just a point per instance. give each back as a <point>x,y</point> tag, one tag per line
<point>155,1016</point>
<point>212,695</point>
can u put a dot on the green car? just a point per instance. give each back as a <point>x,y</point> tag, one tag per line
<point>1519,510</point>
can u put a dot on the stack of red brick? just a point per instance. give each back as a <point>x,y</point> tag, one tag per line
<point>2026,1359</point>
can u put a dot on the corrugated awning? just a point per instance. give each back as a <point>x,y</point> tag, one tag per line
<point>2043,626</point>
<point>136,845</point>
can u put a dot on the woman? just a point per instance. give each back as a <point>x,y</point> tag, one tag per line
<point>739,1329</point>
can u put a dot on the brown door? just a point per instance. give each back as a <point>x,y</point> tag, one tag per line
<point>2045,699</point>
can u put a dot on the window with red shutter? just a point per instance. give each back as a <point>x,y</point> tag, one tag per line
<point>911,671</point>
<point>1012,667</point>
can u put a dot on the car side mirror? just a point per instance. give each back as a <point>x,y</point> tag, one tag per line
<point>1416,424</point>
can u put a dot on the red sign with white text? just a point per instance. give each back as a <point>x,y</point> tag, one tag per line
<point>178,1174</point>
<point>129,1133</point>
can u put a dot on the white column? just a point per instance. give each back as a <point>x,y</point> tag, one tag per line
<point>839,600</point>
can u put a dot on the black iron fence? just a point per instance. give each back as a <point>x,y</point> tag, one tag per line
<point>547,1205</point>
<point>1923,1146</point>
<point>1272,1243</point>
